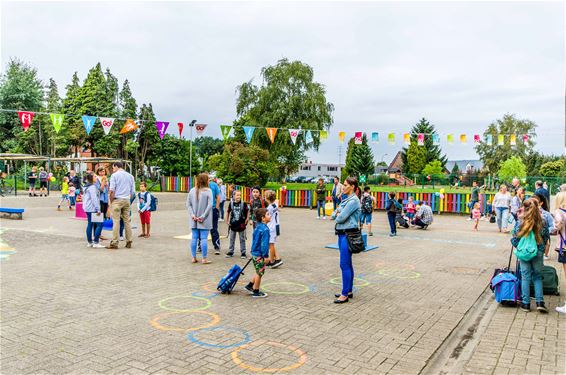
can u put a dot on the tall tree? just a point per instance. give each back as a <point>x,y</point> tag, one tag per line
<point>347,170</point>
<point>172,156</point>
<point>416,159</point>
<point>72,125</point>
<point>128,109</point>
<point>206,147</point>
<point>53,104</point>
<point>288,98</point>
<point>362,159</point>
<point>493,155</point>
<point>512,167</point>
<point>148,136</point>
<point>431,151</point>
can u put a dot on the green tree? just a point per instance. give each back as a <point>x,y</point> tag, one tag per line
<point>243,165</point>
<point>206,147</point>
<point>434,168</point>
<point>347,170</point>
<point>72,124</point>
<point>493,155</point>
<point>172,156</point>
<point>416,159</point>
<point>288,98</point>
<point>362,162</point>
<point>20,89</point>
<point>455,170</point>
<point>431,151</point>
<point>128,109</point>
<point>552,168</point>
<point>53,104</point>
<point>147,137</point>
<point>510,168</point>
<point>534,161</point>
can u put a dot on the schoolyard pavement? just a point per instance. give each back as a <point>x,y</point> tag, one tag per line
<point>420,302</point>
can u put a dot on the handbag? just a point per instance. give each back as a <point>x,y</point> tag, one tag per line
<point>355,241</point>
<point>94,218</point>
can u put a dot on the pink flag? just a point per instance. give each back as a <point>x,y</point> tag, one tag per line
<point>180,125</point>
<point>26,118</point>
<point>420,139</point>
<point>525,138</point>
<point>161,128</point>
<point>476,138</point>
<point>200,128</point>
<point>358,138</point>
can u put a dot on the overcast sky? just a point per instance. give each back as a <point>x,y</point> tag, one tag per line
<point>384,64</point>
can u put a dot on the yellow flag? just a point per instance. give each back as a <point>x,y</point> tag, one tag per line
<point>463,139</point>
<point>341,136</point>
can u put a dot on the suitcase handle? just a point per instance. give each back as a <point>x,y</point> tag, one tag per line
<point>248,262</point>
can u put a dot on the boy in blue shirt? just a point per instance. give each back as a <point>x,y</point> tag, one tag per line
<point>260,251</point>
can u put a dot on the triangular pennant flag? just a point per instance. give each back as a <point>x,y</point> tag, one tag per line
<point>375,137</point>
<point>89,123</point>
<point>435,139</point>
<point>180,125</point>
<point>308,137</point>
<point>341,136</point>
<point>271,133</point>
<point>249,131</point>
<point>129,125</point>
<point>463,139</point>
<point>406,139</point>
<point>420,139</point>
<point>391,138</point>
<point>225,129</point>
<point>513,140</point>
<point>323,134</point>
<point>26,118</point>
<point>476,138</point>
<point>161,128</point>
<point>107,123</point>
<point>57,121</point>
<point>358,138</point>
<point>294,133</point>
<point>450,139</point>
<point>489,139</point>
<point>500,140</point>
<point>200,128</point>
<point>525,138</point>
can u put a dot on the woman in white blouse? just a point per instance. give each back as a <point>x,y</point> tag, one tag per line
<point>501,203</point>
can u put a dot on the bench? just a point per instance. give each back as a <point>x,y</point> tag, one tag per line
<point>8,212</point>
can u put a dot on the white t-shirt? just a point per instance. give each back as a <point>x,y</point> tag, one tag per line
<point>273,210</point>
<point>502,200</point>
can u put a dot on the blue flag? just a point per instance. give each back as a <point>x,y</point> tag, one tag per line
<point>375,137</point>
<point>308,137</point>
<point>89,123</point>
<point>249,130</point>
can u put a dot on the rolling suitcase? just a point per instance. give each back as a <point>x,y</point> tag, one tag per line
<point>228,282</point>
<point>506,285</point>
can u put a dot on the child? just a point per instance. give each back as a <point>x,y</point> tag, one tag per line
<point>64,193</point>
<point>238,217</point>
<point>476,214</point>
<point>32,178</point>
<point>72,192</point>
<point>411,209</point>
<point>257,202</point>
<point>274,231</point>
<point>43,176</point>
<point>399,218</point>
<point>488,210</point>
<point>367,202</point>
<point>144,205</point>
<point>260,251</point>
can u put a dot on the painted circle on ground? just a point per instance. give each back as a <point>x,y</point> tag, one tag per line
<point>156,324</point>
<point>203,295</point>
<point>338,281</point>
<point>163,304</point>
<point>192,337</point>
<point>268,288</point>
<point>301,361</point>
<point>399,273</point>
<point>210,287</point>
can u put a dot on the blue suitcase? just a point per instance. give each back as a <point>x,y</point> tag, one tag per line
<point>228,282</point>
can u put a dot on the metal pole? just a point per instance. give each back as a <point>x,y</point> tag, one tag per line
<point>191,124</point>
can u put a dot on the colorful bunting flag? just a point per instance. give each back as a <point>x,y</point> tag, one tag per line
<point>463,139</point>
<point>406,139</point>
<point>225,129</point>
<point>271,133</point>
<point>308,137</point>
<point>107,123</point>
<point>88,121</point>
<point>161,128</point>
<point>489,139</point>
<point>391,138</point>
<point>249,132</point>
<point>180,125</point>
<point>57,121</point>
<point>323,134</point>
<point>200,128</point>
<point>26,118</point>
<point>525,138</point>
<point>341,136</point>
<point>513,140</point>
<point>294,133</point>
<point>435,139</point>
<point>375,137</point>
<point>450,139</point>
<point>476,138</point>
<point>358,138</point>
<point>129,125</point>
<point>420,139</point>
<point>500,140</point>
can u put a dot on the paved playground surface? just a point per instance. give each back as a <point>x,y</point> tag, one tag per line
<point>420,304</point>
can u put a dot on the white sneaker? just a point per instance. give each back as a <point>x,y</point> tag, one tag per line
<point>469,219</point>
<point>318,218</point>
<point>324,218</point>
<point>561,309</point>
<point>88,244</point>
<point>122,238</point>
<point>546,258</point>
<point>98,246</point>
<point>220,219</point>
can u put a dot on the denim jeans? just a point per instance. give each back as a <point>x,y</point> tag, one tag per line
<point>346,265</point>
<point>532,270</point>
<point>199,235</point>
<point>320,206</point>
<point>222,209</point>
<point>502,220</point>
<point>391,218</point>
<point>214,231</point>
<point>92,227</point>
<point>335,202</point>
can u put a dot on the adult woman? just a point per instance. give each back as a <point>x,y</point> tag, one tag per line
<point>531,221</point>
<point>501,202</point>
<point>102,185</point>
<point>320,191</point>
<point>547,219</point>
<point>517,202</point>
<point>560,225</point>
<point>199,204</point>
<point>91,206</point>
<point>347,217</point>
<point>222,198</point>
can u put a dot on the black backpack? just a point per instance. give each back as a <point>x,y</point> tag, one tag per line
<point>367,205</point>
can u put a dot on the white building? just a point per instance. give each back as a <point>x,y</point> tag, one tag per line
<point>310,169</point>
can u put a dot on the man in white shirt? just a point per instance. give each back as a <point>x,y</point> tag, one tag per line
<point>122,190</point>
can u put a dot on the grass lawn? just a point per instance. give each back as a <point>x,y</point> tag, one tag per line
<point>412,189</point>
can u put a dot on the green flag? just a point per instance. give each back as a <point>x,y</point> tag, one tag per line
<point>226,129</point>
<point>57,121</point>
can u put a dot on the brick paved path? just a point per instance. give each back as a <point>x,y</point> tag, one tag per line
<point>69,309</point>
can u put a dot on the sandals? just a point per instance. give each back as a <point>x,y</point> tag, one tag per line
<point>194,260</point>
<point>206,261</point>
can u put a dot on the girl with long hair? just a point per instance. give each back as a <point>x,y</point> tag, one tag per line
<point>199,204</point>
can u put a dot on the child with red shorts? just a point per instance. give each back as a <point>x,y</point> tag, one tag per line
<point>144,205</point>
<point>260,251</point>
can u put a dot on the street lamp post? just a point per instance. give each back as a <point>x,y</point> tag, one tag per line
<point>191,125</point>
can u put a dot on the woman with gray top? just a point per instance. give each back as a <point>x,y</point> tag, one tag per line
<point>501,203</point>
<point>199,204</point>
<point>91,206</point>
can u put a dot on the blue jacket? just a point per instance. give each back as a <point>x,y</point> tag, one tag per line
<point>260,241</point>
<point>348,216</point>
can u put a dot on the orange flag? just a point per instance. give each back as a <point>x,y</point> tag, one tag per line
<point>271,133</point>
<point>129,126</point>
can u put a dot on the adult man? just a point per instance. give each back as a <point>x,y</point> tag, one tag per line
<point>122,189</point>
<point>75,180</point>
<point>540,190</point>
<point>215,215</point>
<point>474,198</point>
<point>515,185</point>
<point>336,192</point>
<point>424,216</point>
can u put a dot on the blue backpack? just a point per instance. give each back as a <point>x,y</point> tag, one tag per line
<point>506,288</point>
<point>153,204</point>
<point>228,282</point>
